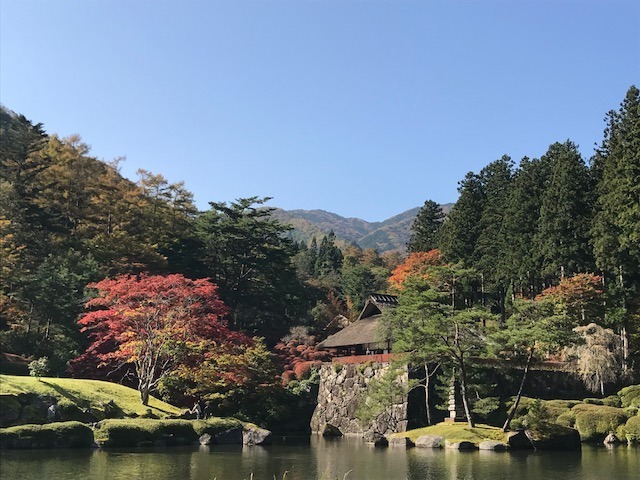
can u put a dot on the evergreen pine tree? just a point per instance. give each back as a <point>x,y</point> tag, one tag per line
<point>561,240</point>
<point>425,228</point>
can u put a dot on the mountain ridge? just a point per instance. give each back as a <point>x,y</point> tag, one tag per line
<point>391,234</point>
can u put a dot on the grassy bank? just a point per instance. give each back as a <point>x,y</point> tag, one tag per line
<point>458,432</point>
<point>142,431</point>
<point>75,396</point>
<point>51,435</point>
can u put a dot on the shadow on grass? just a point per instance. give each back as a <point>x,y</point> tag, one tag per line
<point>67,394</point>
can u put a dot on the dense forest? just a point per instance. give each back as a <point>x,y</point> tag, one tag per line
<point>79,239</point>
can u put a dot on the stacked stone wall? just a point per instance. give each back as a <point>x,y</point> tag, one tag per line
<point>342,389</point>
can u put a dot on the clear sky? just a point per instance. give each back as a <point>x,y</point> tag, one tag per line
<point>364,108</point>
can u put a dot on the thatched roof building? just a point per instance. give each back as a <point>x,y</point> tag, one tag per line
<point>364,336</point>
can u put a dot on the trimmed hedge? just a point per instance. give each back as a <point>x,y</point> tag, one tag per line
<point>632,429</point>
<point>50,435</point>
<point>214,426</point>
<point>144,431</point>
<point>630,396</point>
<point>595,422</point>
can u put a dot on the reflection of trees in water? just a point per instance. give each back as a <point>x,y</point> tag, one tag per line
<point>444,464</point>
<point>319,459</point>
<point>335,457</point>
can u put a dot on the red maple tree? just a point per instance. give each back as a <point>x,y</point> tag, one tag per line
<point>150,323</point>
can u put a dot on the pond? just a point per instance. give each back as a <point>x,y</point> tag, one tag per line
<point>318,458</point>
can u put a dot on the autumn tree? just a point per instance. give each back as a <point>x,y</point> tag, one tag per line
<point>149,323</point>
<point>416,264</point>
<point>597,358</point>
<point>579,296</point>
<point>231,377</point>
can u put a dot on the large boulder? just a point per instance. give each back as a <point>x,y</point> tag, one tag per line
<point>554,437</point>
<point>231,436</point>
<point>611,439</point>
<point>400,442</point>
<point>430,441</point>
<point>518,440</point>
<point>331,431</point>
<point>462,446</point>
<point>375,438</point>
<point>253,435</point>
<point>492,445</point>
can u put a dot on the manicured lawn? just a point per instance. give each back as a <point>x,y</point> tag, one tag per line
<point>85,393</point>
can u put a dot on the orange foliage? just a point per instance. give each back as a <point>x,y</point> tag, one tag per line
<point>416,264</point>
<point>578,294</point>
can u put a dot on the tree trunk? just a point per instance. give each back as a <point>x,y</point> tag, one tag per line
<point>463,391</point>
<point>623,329</point>
<point>143,388</point>
<point>624,336</point>
<point>427,404</point>
<point>512,413</point>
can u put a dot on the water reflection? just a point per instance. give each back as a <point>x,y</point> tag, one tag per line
<point>322,459</point>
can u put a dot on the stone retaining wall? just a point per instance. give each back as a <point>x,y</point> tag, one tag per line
<point>342,389</point>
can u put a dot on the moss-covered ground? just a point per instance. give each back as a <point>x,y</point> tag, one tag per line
<point>458,432</point>
<point>87,394</point>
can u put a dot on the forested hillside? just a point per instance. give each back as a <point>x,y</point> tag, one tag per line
<point>388,235</point>
<point>238,298</point>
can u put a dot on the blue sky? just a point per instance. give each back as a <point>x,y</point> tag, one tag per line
<point>364,108</point>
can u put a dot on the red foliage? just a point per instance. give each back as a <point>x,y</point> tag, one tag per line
<point>302,370</point>
<point>141,319</point>
<point>298,358</point>
<point>416,264</point>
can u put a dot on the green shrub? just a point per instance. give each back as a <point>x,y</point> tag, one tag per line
<point>632,430</point>
<point>593,401</point>
<point>594,422</point>
<point>612,401</point>
<point>558,407</point>
<point>567,419</point>
<point>555,408</point>
<point>51,435</point>
<point>68,409</point>
<point>39,368</point>
<point>537,415</point>
<point>144,431</point>
<point>213,426</point>
<point>631,411</point>
<point>630,396</point>
<point>9,409</point>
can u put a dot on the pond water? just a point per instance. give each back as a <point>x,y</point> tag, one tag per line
<point>317,458</point>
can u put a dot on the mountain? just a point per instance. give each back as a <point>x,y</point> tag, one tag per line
<point>390,234</point>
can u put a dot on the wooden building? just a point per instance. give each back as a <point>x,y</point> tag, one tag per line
<point>364,336</point>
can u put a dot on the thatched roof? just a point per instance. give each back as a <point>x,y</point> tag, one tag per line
<point>364,330</point>
<point>376,303</point>
<point>360,332</point>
